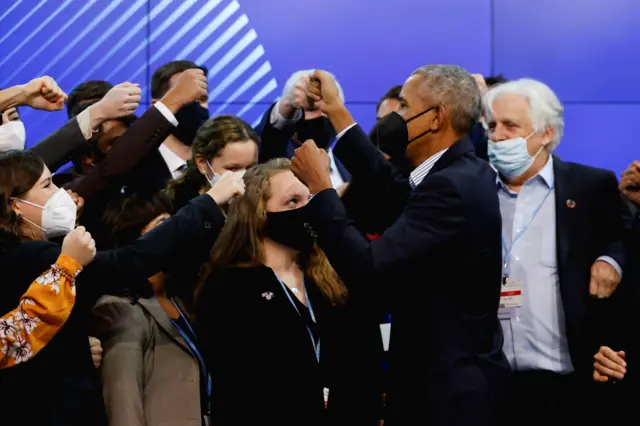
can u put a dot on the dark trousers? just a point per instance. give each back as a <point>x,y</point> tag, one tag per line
<point>536,398</point>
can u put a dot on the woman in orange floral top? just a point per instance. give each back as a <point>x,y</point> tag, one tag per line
<point>47,304</point>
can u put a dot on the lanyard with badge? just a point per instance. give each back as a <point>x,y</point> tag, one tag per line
<point>511,293</point>
<point>194,350</point>
<point>316,345</point>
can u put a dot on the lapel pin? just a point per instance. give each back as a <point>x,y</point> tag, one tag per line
<point>267,295</point>
<point>571,204</point>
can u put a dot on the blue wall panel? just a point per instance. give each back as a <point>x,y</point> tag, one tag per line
<point>585,50</point>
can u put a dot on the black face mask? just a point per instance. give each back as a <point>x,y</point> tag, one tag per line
<point>190,117</point>
<point>391,135</point>
<point>320,130</point>
<point>291,228</point>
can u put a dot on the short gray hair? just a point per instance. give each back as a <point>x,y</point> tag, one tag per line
<point>545,108</point>
<point>291,82</point>
<point>455,89</point>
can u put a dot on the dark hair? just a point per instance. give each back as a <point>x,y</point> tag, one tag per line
<point>393,93</point>
<point>210,140</point>
<point>494,80</point>
<point>161,77</point>
<point>127,215</point>
<point>86,94</point>
<point>19,171</point>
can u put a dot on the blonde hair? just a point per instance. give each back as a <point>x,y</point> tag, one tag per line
<point>240,241</point>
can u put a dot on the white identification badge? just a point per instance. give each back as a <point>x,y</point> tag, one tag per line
<point>385,330</point>
<point>511,294</point>
<point>325,392</point>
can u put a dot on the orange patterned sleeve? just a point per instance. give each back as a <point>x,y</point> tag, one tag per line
<point>42,312</point>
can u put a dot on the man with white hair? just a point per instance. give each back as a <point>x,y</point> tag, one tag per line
<point>293,120</point>
<point>562,227</point>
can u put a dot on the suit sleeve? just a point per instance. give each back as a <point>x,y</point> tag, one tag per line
<point>367,164</point>
<point>145,135</point>
<point>274,142</point>
<point>57,149</point>
<point>179,244</point>
<point>433,217</point>
<point>124,332</point>
<point>613,213</point>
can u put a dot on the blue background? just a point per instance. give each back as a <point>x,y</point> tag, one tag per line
<point>586,50</point>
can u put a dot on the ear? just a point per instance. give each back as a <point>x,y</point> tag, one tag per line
<point>15,207</point>
<point>438,118</point>
<point>201,164</point>
<point>548,136</point>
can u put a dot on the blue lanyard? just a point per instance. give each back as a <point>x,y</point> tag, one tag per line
<point>507,250</point>
<point>193,347</point>
<point>316,346</point>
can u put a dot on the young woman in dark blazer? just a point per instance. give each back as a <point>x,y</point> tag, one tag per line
<point>274,320</point>
<point>33,210</point>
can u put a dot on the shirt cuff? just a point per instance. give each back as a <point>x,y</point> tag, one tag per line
<point>69,264</point>
<point>341,134</point>
<point>279,122</point>
<point>166,113</point>
<point>84,123</point>
<point>611,261</point>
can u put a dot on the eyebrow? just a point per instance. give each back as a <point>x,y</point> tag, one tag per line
<point>46,181</point>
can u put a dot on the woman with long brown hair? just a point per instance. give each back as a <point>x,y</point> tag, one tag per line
<point>271,313</point>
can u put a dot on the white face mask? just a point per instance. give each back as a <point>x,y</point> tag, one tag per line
<point>216,177</point>
<point>12,136</point>
<point>58,214</point>
<point>511,157</point>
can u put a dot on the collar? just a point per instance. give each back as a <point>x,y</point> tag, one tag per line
<point>174,163</point>
<point>419,173</point>
<point>546,175</point>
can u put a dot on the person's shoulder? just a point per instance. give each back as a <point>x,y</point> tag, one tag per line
<point>113,314</point>
<point>585,174</point>
<point>32,254</point>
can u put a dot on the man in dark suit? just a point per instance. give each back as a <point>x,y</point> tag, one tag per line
<point>439,263</point>
<point>292,120</point>
<point>563,251</point>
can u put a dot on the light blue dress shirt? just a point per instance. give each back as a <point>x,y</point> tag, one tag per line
<point>535,334</point>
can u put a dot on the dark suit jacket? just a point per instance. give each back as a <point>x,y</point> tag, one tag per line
<point>593,227</point>
<point>262,362</point>
<point>278,143</point>
<point>63,370</point>
<point>440,265</point>
<point>57,149</point>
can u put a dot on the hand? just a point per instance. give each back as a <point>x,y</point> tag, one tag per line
<point>323,90</point>
<point>229,186</point>
<point>609,364</point>
<point>96,351</point>
<point>482,85</point>
<point>604,279</point>
<point>310,165</point>
<point>298,97</point>
<point>631,177</point>
<point>79,245</point>
<point>191,86</point>
<point>43,93</point>
<point>121,101</point>
<point>79,203</point>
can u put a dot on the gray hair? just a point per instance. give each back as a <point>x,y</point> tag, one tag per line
<point>455,89</point>
<point>290,85</point>
<point>545,108</point>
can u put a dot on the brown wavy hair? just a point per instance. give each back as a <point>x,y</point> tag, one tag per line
<point>240,241</point>
<point>19,171</point>
<point>210,140</point>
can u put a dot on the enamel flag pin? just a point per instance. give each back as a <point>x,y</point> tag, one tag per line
<point>571,204</point>
<point>267,295</point>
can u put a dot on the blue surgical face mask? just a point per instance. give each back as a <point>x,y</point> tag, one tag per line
<point>511,157</point>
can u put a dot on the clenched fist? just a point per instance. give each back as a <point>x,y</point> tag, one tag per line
<point>79,245</point>
<point>191,86</point>
<point>121,101</point>
<point>229,186</point>
<point>43,93</point>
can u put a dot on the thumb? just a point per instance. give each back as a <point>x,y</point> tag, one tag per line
<point>593,287</point>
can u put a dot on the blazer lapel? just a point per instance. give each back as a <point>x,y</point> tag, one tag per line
<point>563,195</point>
<point>153,308</point>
